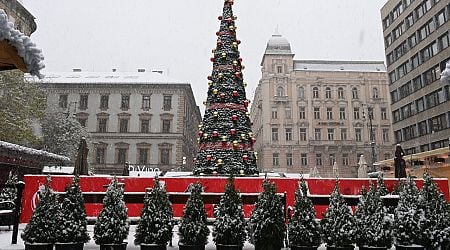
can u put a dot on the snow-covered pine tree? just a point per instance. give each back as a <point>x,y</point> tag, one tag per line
<point>304,230</point>
<point>193,229</point>
<point>338,223</point>
<point>72,220</point>
<point>10,194</point>
<point>407,214</point>
<point>381,187</point>
<point>267,227</point>
<point>42,225</point>
<point>436,215</point>
<point>374,227</point>
<point>112,225</point>
<point>360,214</point>
<point>155,224</point>
<point>229,227</point>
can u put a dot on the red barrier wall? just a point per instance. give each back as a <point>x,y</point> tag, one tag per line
<point>210,184</point>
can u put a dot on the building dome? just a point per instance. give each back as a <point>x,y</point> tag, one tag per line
<point>278,45</point>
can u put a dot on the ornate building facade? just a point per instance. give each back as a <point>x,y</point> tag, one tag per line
<point>312,113</point>
<point>141,118</point>
<point>22,19</point>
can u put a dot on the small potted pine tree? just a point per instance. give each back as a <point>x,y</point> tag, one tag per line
<point>304,229</point>
<point>435,223</point>
<point>338,223</point>
<point>154,228</point>
<point>374,227</point>
<point>407,229</point>
<point>111,227</point>
<point>267,227</point>
<point>193,230</point>
<point>39,233</point>
<point>229,227</point>
<point>9,194</point>
<point>71,229</point>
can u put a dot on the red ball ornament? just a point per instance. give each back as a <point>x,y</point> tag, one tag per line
<point>237,74</point>
<point>232,131</point>
<point>220,17</point>
<point>229,20</point>
<point>215,133</point>
<point>254,140</point>
<point>245,157</point>
<point>200,133</point>
<point>222,95</point>
<point>234,118</point>
<point>219,43</point>
<point>235,93</point>
<point>238,41</point>
<point>240,58</point>
<point>208,157</point>
<point>246,103</point>
<point>217,33</point>
<point>209,78</point>
<point>212,59</point>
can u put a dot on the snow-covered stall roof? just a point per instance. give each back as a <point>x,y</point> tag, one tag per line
<point>10,147</point>
<point>26,49</point>
<point>351,66</point>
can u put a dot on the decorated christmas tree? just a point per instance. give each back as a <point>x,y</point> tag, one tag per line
<point>267,226</point>
<point>436,217</point>
<point>229,227</point>
<point>381,187</point>
<point>112,226</point>
<point>193,229</point>
<point>407,214</point>
<point>9,194</point>
<point>42,226</point>
<point>374,227</point>
<point>304,229</point>
<point>225,137</point>
<point>72,220</point>
<point>338,224</point>
<point>155,224</point>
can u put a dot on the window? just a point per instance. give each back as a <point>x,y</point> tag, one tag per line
<point>354,93</point>
<point>280,91</point>
<point>125,102</point>
<point>145,125</point>
<point>343,134</point>
<point>146,102</point>
<point>420,105</point>
<point>288,113</point>
<point>123,125</point>
<point>167,102</point>
<point>345,159</point>
<point>102,125</point>
<point>143,156</point>
<point>329,113</point>
<point>412,40</point>
<point>279,69</point>
<point>409,20</point>
<point>392,77</point>
<point>422,128</point>
<point>317,134</point>
<point>289,159</point>
<point>429,52</point>
<point>388,40</point>
<point>82,121</point>
<point>415,61</point>
<point>301,93</point>
<point>165,156</point>
<point>166,125</point>
<point>358,134</point>
<point>63,101</point>
<point>385,135</point>
<point>317,113</point>
<point>121,155</point>
<point>319,159</point>
<point>426,30</point>
<point>340,93</point>
<point>104,99</point>
<point>356,113</point>
<point>302,134</point>
<point>431,75</point>
<point>302,113</point>
<point>375,93</point>
<point>331,134</point>
<point>274,113</point>
<point>274,134</point>
<point>342,113</point>
<point>383,114</point>
<point>398,31</point>
<point>304,159</point>
<point>315,92</point>
<point>276,159</point>
<point>444,41</point>
<point>441,18</point>
<point>100,155</point>
<point>332,159</point>
<point>84,101</point>
<point>288,134</point>
<point>420,11</point>
<point>328,92</point>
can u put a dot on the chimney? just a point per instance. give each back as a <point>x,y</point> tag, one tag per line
<point>141,70</point>
<point>76,70</point>
<point>114,70</point>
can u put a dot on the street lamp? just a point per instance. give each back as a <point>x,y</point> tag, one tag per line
<point>371,137</point>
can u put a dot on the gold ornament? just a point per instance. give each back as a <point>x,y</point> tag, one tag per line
<point>235,63</point>
<point>235,143</point>
<point>219,162</point>
<point>224,54</point>
<point>242,172</point>
<point>210,83</point>
<point>220,75</point>
<point>205,135</point>
<point>243,136</point>
<point>224,138</point>
<point>215,91</point>
<point>216,114</point>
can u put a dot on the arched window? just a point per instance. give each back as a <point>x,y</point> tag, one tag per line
<point>355,93</point>
<point>375,93</point>
<point>301,93</point>
<point>340,93</point>
<point>328,93</point>
<point>315,92</point>
<point>280,91</point>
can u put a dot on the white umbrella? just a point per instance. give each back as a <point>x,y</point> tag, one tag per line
<point>335,169</point>
<point>362,170</point>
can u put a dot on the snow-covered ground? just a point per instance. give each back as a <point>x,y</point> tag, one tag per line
<point>5,240</point>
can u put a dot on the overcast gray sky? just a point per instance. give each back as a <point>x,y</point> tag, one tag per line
<point>177,36</point>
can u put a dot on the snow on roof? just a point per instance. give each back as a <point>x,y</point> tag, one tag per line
<point>354,66</point>
<point>108,78</point>
<point>57,170</point>
<point>32,151</point>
